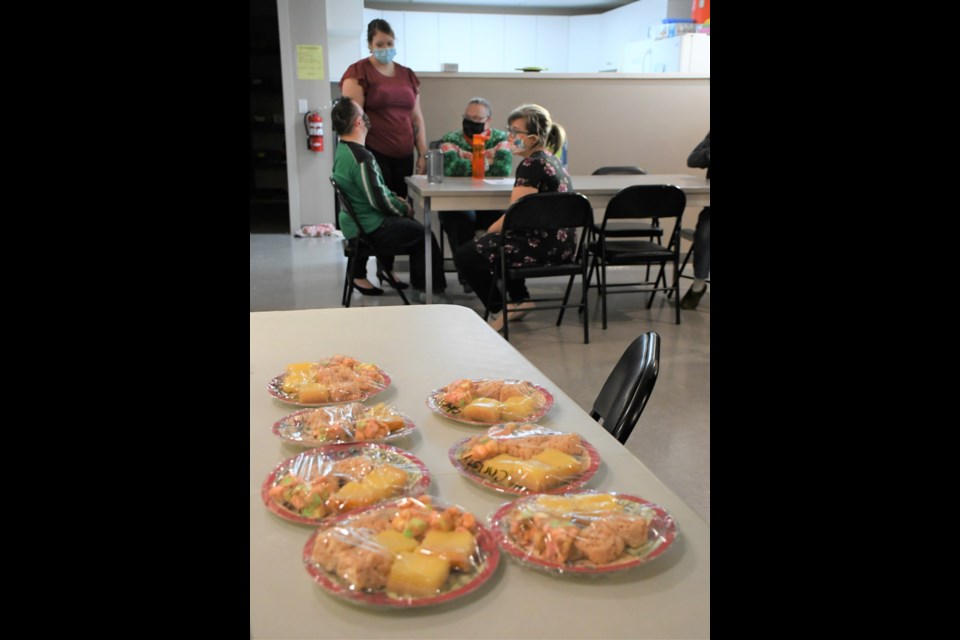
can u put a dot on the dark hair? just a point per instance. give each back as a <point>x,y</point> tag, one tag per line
<point>537,121</point>
<point>343,115</point>
<point>378,25</point>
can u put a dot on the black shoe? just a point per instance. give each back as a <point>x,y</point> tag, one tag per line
<point>466,286</point>
<point>372,291</point>
<point>692,298</point>
<point>382,277</point>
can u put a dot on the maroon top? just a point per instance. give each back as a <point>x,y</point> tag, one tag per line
<point>388,103</point>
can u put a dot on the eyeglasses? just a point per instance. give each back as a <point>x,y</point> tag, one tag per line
<point>514,132</point>
<point>475,118</point>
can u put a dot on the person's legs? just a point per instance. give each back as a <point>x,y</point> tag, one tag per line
<point>701,246</point>
<point>394,171</point>
<point>405,235</point>
<point>459,226</point>
<point>475,260</point>
<point>701,262</point>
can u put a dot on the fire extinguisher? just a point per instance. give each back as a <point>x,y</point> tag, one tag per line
<point>313,121</point>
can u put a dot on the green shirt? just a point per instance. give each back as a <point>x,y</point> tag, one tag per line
<point>358,174</point>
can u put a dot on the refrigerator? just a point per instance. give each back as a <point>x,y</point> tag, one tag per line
<point>687,53</point>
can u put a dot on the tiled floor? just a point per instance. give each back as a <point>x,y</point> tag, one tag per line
<point>673,435</point>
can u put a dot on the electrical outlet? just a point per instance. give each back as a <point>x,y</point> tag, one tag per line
<point>303,106</point>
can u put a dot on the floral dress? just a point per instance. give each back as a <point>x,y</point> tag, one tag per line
<point>544,172</point>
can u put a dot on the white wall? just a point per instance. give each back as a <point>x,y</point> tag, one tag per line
<point>311,195</point>
<point>651,122</point>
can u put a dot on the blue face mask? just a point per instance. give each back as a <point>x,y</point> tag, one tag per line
<point>385,56</point>
<point>518,143</point>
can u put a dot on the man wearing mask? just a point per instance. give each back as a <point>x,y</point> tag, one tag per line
<point>457,149</point>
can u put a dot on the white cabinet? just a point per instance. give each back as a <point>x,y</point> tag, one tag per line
<point>584,54</point>
<point>422,50</point>
<point>519,48</point>
<point>452,43</point>
<point>485,48</point>
<point>553,33</point>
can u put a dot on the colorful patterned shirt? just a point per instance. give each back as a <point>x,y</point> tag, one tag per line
<point>458,154</point>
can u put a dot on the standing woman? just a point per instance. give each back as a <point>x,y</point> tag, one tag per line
<point>531,134</point>
<point>389,94</point>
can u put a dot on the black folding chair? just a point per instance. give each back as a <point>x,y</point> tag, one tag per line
<point>351,250</point>
<point>639,202</point>
<point>547,212</point>
<point>631,229</point>
<point>628,387</point>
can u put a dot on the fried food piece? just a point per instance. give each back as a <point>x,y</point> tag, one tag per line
<point>600,543</point>
<point>490,389</point>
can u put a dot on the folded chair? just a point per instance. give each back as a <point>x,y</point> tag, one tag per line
<point>551,212</point>
<point>639,202</point>
<point>628,387</point>
<point>351,247</point>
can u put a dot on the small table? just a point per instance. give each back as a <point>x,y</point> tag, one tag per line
<point>463,194</point>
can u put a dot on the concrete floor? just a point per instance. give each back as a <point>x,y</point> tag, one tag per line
<point>673,435</point>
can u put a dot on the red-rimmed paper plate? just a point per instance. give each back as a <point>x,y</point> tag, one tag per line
<point>368,388</point>
<point>499,479</point>
<point>338,424</point>
<point>356,531</point>
<point>518,527</point>
<point>436,403</point>
<point>339,463</point>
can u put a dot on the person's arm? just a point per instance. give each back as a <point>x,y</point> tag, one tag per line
<point>502,159</point>
<point>454,164</point>
<point>700,157</point>
<point>377,193</point>
<point>419,136</point>
<point>352,89</point>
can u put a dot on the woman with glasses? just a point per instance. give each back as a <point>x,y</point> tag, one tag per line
<point>531,134</point>
<point>457,149</point>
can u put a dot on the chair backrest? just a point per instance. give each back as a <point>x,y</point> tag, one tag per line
<point>632,171</point>
<point>628,387</point>
<point>345,206</point>
<point>434,144</point>
<point>549,211</point>
<point>646,201</point>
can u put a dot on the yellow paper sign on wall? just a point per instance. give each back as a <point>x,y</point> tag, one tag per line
<point>309,62</point>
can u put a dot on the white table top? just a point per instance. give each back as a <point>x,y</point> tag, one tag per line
<point>587,185</point>
<point>422,348</point>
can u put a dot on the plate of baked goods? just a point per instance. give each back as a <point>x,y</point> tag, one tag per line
<point>526,458</point>
<point>490,401</point>
<point>335,479</point>
<point>405,553</point>
<point>328,381</point>
<point>343,423</point>
<point>583,533</point>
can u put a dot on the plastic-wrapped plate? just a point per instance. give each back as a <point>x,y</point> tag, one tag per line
<point>338,464</point>
<point>345,544</point>
<point>543,400</point>
<point>337,424</point>
<point>539,541</point>
<point>498,478</point>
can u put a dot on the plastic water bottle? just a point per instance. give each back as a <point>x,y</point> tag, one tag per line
<point>476,163</point>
